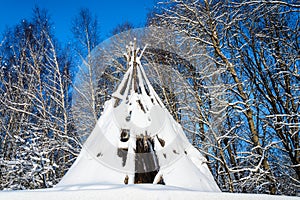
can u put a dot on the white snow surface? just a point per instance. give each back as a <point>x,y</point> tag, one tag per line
<point>132,192</point>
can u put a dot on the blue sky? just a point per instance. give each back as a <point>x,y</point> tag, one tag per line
<point>109,12</point>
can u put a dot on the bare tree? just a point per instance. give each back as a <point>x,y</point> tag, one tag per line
<point>85,29</point>
<point>252,49</point>
<point>125,26</point>
<point>269,59</point>
<point>35,142</point>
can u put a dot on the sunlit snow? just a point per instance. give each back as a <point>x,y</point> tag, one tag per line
<point>132,192</point>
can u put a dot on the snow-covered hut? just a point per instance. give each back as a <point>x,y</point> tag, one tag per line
<point>136,140</point>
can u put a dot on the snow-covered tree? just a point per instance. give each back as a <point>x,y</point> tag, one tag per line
<point>250,117</point>
<point>85,29</point>
<point>35,143</point>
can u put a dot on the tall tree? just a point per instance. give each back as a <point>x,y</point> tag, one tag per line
<point>85,29</point>
<point>253,50</point>
<point>34,130</point>
<point>269,59</point>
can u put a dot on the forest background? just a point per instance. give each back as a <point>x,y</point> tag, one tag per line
<point>240,70</point>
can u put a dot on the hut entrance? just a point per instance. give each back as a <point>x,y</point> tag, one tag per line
<point>146,162</point>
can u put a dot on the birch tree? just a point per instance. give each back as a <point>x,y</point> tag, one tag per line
<point>268,56</point>
<point>85,29</point>
<point>35,142</point>
<point>236,37</point>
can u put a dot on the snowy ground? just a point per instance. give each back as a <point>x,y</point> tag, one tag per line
<point>132,192</point>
